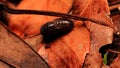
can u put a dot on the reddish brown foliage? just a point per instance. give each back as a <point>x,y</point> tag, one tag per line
<point>68,51</point>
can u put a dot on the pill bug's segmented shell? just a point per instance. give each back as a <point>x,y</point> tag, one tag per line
<point>57,28</point>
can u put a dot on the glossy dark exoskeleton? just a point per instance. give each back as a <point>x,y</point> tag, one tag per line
<point>56,28</point>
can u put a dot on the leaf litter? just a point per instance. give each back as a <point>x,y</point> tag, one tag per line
<point>82,45</point>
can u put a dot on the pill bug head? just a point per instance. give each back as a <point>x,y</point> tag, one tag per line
<point>55,29</point>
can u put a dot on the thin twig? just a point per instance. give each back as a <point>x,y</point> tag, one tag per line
<point>111,4</point>
<point>109,50</point>
<point>50,13</point>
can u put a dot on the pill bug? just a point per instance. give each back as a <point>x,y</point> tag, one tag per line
<point>56,28</point>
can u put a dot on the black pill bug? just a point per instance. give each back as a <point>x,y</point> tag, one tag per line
<point>56,28</point>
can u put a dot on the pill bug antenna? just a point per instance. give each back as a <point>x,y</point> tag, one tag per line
<point>50,13</point>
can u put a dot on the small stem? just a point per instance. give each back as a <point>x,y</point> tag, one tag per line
<point>109,50</point>
<point>111,4</point>
<point>50,13</point>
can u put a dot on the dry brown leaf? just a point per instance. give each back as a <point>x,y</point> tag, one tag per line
<point>66,56</point>
<point>100,35</point>
<point>17,53</point>
<point>98,10</point>
<point>4,65</point>
<point>70,50</point>
<point>34,41</point>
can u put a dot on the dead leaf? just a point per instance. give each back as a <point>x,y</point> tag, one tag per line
<point>99,13</point>
<point>62,56</point>
<point>70,50</point>
<point>34,41</point>
<point>4,65</point>
<point>16,52</point>
<point>100,35</point>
